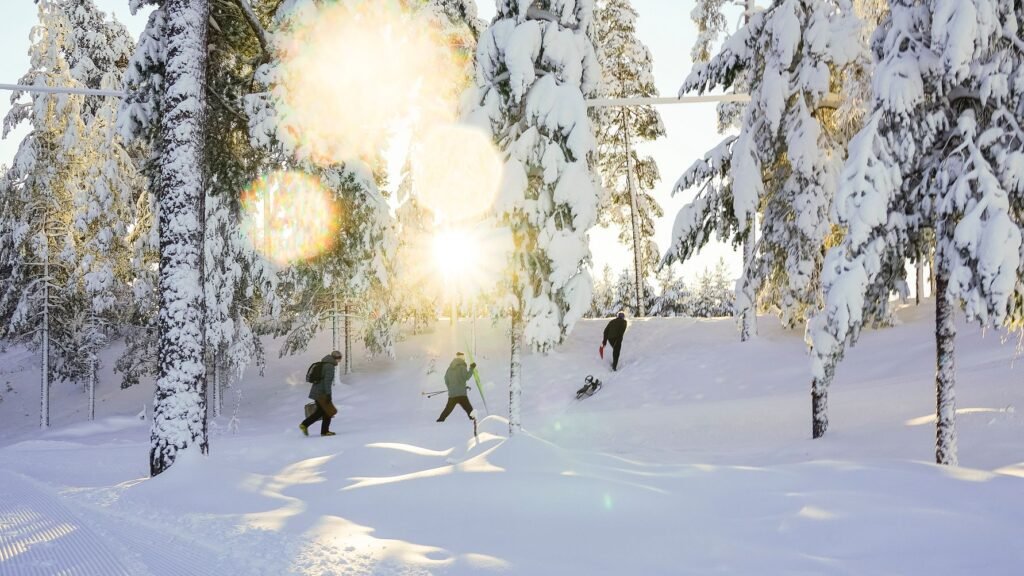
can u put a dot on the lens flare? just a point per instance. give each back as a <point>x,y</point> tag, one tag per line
<point>289,216</point>
<point>456,172</point>
<point>351,71</point>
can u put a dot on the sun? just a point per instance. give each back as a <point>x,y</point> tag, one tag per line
<point>457,256</point>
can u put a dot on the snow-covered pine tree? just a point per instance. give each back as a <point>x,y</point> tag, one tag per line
<point>942,148</point>
<point>536,64</point>
<point>37,236</point>
<point>238,282</point>
<point>784,160</point>
<point>628,179</point>
<point>167,103</point>
<point>709,17</point>
<point>601,304</point>
<point>138,122</point>
<point>318,290</point>
<point>102,218</point>
<point>355,269</point>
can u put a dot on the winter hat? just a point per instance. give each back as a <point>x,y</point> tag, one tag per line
<point>336,354</point>
<point>459,354</point>
<point>621,315</point>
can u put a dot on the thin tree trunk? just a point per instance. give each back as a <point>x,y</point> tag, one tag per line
<point>515,385</point>
<point>819,402</point>
<point>919,276</point>
<point>92,386</point>
<point>748,326</point>
<point>217,384</point>
<point>945,375</point>
<point>638,261</point>
<point>179,408</point>
<point>348,339</point>
<point>334,322</point>
<point>44,407</point>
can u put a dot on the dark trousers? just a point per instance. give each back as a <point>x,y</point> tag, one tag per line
<point>318,414</point>
<point>452,402</point>
<point>616,348</point>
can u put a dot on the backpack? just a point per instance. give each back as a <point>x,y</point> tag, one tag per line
<point>313,372</point>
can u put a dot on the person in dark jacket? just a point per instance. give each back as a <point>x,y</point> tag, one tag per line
<point>320,392</point>
<point>613,333</point>
<point>455,378</point>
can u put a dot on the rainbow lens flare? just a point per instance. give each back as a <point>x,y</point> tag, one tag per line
<point>289,216</point>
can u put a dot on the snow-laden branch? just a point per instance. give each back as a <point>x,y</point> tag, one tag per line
<point>254,23</point>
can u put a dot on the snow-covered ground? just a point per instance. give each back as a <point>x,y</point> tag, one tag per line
<point>695,458</point>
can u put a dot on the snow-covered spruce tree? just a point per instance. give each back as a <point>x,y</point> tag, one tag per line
<point>784,161</point>
<point>38,241</point>
<point>535,65</point>
<point>623,295</point>
<point>713,296</point>
<point>628,179</point>
<point>171,109</point>
<point>941,149</point>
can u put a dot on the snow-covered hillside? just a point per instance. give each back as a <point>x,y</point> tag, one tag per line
<point>694,458</point>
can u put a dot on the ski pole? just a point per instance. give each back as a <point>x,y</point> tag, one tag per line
<point>432,394</point>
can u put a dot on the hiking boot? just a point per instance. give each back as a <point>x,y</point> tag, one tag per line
<point>328,434</point>
<point>305,430</point>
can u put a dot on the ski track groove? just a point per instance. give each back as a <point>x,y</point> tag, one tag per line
<point>39,535</point>
<point>42,536</point>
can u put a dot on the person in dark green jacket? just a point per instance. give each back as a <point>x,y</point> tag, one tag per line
<point>320,392</point>
<point>455,379</point>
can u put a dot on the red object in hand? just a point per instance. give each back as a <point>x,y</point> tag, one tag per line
<point>601,351</point>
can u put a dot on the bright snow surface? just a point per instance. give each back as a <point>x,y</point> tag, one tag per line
<point>695,458</point>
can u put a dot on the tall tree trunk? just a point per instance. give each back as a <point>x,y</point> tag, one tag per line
<point>638,260</point>
<point>179,408</point>
<point>945,375</point>
<point>515,385</point>
<point>748,327</point>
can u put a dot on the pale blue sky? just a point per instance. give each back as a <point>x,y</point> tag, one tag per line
<point>664,25</point>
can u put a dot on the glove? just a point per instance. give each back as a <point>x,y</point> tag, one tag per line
<point>472,366</point>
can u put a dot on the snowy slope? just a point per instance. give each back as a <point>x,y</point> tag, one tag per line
<point>695,458</point>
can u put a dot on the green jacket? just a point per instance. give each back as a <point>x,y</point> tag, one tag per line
<point>323,386</point>
<point>456,376</point>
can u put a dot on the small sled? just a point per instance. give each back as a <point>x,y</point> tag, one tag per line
<point>592,385</point>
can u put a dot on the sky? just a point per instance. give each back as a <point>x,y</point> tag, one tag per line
<point>663,25</point>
